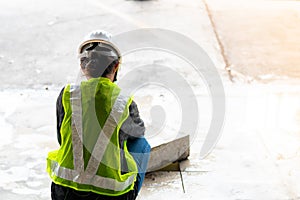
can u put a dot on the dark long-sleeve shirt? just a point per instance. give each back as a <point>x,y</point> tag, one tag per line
<point>132,127</point>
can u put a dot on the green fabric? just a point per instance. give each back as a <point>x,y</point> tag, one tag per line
<point>98,96</point>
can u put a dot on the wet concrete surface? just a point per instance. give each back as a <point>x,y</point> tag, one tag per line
<point>258,155</point>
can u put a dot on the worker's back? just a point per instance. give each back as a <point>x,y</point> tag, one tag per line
<point>89,157</point>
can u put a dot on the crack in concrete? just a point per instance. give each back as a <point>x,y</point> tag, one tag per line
<point>219,41</point>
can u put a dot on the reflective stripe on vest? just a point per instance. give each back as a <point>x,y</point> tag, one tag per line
<point>98,181</point>
<point>89,175</point>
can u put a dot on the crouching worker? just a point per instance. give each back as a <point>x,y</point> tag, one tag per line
<point>103,153</point>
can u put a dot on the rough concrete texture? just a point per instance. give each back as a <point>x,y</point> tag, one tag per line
<point>163,155</point>
<point>44,36</point>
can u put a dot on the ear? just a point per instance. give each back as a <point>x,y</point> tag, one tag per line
<point>81,63</point>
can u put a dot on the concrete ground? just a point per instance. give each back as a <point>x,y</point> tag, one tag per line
<point>260,38</point>
<point>258,154</point>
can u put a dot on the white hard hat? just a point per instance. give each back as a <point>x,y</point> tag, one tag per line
<point>103,38</point>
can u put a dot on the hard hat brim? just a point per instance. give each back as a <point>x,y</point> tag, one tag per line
<point>80,49</point>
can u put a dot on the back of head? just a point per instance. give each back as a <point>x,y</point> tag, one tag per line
<point>98,55</point>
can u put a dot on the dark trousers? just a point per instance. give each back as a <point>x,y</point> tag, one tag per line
<point>59,192</point>
<point>140,151</point>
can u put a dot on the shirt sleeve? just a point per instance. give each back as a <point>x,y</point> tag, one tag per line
<point>60,113</point>
<point>133,126</point>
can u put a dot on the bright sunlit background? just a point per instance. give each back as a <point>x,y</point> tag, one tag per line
<point>254,45</point>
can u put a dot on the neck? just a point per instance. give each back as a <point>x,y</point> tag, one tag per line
<point>110,77</point>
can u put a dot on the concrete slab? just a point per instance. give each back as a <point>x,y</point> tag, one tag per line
<point>163,155</point>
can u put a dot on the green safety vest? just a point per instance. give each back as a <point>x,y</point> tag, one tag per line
<point>89,156</point>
